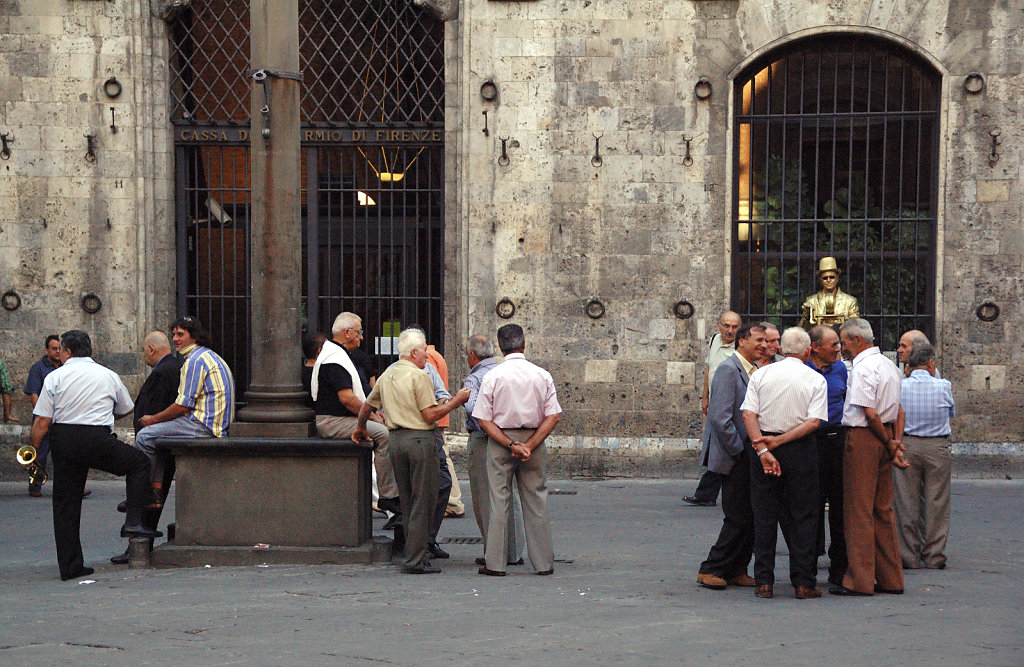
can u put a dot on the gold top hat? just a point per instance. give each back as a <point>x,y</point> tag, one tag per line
<point>828,264</point>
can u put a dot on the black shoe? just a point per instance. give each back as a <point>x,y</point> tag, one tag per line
<point>122,506</point>
<point>139,531</point>
<point>425,569</point>
<point>545,573</point>
<point>394,522</point>
<point>843,590</point>
<point>84,572</point>
<point>436,551</point>
<point>693,500</point>
<point>120,559</point>
<point>490,573</point>
<point>390,505</point>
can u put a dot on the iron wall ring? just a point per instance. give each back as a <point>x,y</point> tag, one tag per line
<point>91,303</point>
<point>10,300</point>
<point>683,309</point>
<point>594,309</point>
<point>987,312</point>
<point>505,309</point>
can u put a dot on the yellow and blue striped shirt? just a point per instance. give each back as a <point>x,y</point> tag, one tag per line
<point>207,389</point>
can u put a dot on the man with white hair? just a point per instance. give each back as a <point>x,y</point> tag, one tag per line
<point>406,395</point>
<point>338,389</point>
<point>784,404</point>
<point>874,421</point>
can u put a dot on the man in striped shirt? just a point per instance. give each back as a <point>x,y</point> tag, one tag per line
<point>205,405</point>
<point>922,491</point>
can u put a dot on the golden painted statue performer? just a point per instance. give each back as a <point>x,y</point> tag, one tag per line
<point>830,306</point>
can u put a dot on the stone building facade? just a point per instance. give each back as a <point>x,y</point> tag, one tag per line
<point>604,204</point>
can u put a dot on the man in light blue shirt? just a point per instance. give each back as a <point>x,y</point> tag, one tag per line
<point>922,491</point>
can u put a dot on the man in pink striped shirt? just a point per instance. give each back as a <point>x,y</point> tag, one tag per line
<point>517,408</point>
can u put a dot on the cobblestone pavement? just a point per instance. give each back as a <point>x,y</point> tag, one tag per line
<point>623,591</point>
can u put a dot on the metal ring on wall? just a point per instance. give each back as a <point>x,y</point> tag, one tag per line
<point>505,309</point>
<point>974,83</point>
<point>10,300</point>
<point>112,88</point>
<point>91,303</point>
<point>594,309</point>
<point>683,309</point>
<point>987,312</point>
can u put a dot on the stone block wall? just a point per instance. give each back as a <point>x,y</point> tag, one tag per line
<point>70,226</point>
<point>552,231</point>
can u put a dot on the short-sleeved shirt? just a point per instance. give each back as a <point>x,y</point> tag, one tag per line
<point>717,353</point>
<point>84,393</point>
<point>473,382</point>
<point>835,377</point>
<point>37,373</point>
<point>874,383</point>
<point>207,389</point>
<point>785,394</point>
<point>402,391</point>
<point>6,386</point>
<point>160,388</point>
<point>516,394</point>
<point>928,402</point>
<point>332,379</point>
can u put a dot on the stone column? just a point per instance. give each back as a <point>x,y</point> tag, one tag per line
<point>275,397</point>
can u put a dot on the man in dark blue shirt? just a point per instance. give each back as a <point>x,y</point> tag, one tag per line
<point>830,438</point>
<point>36,374</point>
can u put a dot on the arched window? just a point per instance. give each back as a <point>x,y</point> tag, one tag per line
<point>835,152</point>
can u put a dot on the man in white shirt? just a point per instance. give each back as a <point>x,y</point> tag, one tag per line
<point>874,419</point>
<point>784,404</point>
<point>77,407</point>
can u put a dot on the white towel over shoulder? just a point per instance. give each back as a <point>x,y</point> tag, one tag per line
<point>332,353</point>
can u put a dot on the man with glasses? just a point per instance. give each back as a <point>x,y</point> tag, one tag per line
<point>339,388</point>
<point>721,347</point>
<point>830,306</point>
<point>830,438</point>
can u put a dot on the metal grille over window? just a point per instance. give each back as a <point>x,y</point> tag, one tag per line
<point>835,146</point>
<point>372,113</point>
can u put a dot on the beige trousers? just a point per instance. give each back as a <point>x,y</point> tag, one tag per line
<point>480,490</point>
<point>455,498</point>
<point>531,479</point>
<point>922,499</point>
<point>342,428</point>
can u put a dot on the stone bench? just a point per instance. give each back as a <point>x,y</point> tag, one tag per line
<point>250,501</point>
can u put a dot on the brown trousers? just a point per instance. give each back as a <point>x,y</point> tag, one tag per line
<point>870,526</point>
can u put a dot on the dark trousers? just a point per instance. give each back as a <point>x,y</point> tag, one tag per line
<point>444,490</point>
<point>830,443</point>
<point>709,486</point>
<point>414,458</point>
<point>41,453</point>
<point>76,449</point>
<point>789,501</point>
<point>730,555</point>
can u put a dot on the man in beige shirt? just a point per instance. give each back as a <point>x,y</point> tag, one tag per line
<point>406,395</point>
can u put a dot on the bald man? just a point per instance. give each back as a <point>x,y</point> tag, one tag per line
<point>157,393</point>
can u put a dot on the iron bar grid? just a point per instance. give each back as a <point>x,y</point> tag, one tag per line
<point>363,62</point>
<point>836,140</point>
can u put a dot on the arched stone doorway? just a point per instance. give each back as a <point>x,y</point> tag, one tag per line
<point>835,153</point>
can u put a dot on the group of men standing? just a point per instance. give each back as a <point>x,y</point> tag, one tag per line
<point>784,437</point>
<point>510,407</point>
<point>188,395</point>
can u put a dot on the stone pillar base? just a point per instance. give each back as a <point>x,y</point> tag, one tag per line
<point>377,550</point>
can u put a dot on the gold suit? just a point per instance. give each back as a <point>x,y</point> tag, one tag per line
<point>829,308</point>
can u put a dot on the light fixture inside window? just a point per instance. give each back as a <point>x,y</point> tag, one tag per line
<point>391,177</point>
<point>365,199</point>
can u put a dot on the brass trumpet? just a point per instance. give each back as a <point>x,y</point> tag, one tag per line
<point>27,458</point>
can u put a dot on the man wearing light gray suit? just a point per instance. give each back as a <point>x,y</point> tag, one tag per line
<point>728,454</point>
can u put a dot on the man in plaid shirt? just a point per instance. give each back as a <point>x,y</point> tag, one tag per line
<point>922,496</point>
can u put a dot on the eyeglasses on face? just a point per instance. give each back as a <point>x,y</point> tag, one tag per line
<point>358,331</point>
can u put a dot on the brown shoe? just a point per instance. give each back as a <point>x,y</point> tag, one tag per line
<point>807,593</point>
<point>710,581</point>
<point>742,580</point>
<point>765,591</point>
